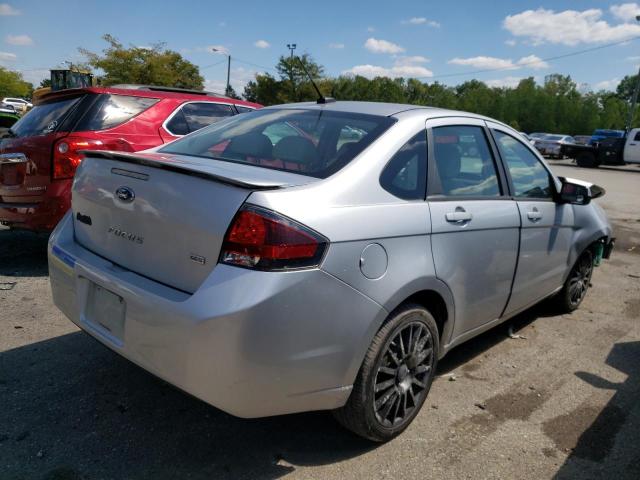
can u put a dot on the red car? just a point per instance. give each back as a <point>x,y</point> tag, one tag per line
<point>39,156</point>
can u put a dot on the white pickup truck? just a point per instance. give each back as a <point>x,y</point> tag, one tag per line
<point>610,151</point>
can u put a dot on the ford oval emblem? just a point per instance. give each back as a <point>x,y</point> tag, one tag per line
<point>125,194</point>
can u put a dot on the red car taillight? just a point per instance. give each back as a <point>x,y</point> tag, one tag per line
<point>263,240</point>
<point>66,157</point>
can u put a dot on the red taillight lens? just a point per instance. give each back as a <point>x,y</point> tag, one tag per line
<point>66,156</point>
<point>263,240</point>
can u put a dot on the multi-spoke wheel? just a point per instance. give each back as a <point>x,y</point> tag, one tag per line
<point>577,283</point>
<point>395,377</point>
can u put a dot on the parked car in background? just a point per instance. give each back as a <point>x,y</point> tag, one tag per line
<point>582,139</point>
<point>536,135</point>
<point>608,151</point>
<point>8,117</point>
<point>322,269</point>
<point>40,157</point>
<point>550,145</point>
<point>20,104</point>
<point>600,134</point>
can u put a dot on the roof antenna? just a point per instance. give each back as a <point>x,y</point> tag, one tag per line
<point>321,98</point>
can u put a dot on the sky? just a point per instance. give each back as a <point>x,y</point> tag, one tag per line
<point>498,42</point>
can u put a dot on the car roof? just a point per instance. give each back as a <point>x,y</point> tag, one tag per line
<point>149,92</point>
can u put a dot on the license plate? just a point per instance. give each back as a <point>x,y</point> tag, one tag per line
<point>105,310</point>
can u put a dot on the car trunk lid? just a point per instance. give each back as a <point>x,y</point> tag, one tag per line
<point>163,216</point>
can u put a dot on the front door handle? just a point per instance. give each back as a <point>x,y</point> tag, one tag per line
<point>534,215</point>
<point>458,216</point>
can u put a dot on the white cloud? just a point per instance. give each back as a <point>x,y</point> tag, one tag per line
<point>507,82</point>
<point>569,27</point>
<point>22,40</point>
<point>483,62</point>
<point>421,21</point>
<point>493,63</point>
<point>7,57</point>
<point>410,60</point>
<point>337,46</point>
<point>35,76</point>
<point>6,9</point>
<point>634,58</point>
<point>510,43</point>
<point>216,49</point>
<point>382,46</point>
<point>262,44</point>
<point>403,67</point>
<point>239,78</point>
<point>532,61</point>
<point>626,12</point>
<point>607,84</point>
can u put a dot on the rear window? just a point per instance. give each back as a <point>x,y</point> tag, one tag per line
<point>109,111</point>
<point>316,143</point>
<point>45,118</point>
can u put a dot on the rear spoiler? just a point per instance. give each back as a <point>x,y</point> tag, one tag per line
<point>140,159</point>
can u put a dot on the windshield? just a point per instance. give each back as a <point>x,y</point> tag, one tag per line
<point>316,143</point>
<point>608,133</point>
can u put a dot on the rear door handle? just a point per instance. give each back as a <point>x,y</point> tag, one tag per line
<point>534,215</point>
<point>458,216</point>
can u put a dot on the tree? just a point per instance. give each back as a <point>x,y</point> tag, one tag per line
<point>45,83</point>
<point>13,85</point>
<point>141,65</point>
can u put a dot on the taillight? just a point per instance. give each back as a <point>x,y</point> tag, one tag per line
<point>66,156</point>
<point>263,240</point>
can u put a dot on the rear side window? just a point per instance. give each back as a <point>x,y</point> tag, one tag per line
<point>242,109</point>
<point>194,116</point>
<point>405,176</point>
<point>310,142</point>
<point>464,162</point>
<point>45,118</point>
<point>109,111</point>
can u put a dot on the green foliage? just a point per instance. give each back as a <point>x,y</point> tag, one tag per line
<point>45,83</point>
<point>556,106</point>
<point>13,85</point>
<point>147,66</point>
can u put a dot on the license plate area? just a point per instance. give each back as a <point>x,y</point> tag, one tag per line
<point>11,174</point>
<point>105,311</point>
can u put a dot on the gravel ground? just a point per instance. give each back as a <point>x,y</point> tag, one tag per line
<point>562,402</point>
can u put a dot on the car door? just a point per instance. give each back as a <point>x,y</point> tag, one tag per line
<point>547,226</point>
<point>632,147</point>
<point>475,224</point>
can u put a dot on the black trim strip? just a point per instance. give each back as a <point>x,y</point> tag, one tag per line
<point>137,160</point>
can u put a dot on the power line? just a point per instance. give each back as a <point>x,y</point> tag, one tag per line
<point>213,64</point>
<point>533,62</point>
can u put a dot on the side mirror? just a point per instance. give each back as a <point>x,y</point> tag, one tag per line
<point>578,192</point>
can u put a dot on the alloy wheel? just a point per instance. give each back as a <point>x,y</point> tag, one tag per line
<point>579,280</point>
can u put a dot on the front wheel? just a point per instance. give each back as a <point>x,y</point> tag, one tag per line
<point>395,377</point>
<point>575,287</point>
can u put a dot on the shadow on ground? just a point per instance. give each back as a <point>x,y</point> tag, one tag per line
<point>72,409</point>
<point>23,254</point>
<point>609,446</point>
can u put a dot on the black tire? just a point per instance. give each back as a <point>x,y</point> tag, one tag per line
<point>405,383</point>
<point>586,160</point>
<point>576,285</point>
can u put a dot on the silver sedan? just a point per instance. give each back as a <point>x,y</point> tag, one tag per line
<point>320,256</point>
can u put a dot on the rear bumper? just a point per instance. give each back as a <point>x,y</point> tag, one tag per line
<point>43,215</point>
<point>250,343</point>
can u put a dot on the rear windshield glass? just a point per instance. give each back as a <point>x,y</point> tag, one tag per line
<point>109,111</point>
<point>310,142</point>
<point>45,118</point>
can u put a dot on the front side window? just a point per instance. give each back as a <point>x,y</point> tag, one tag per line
<point>310,142</point>
<point>464,162</point>
<point>529,177</point>
<point>405,176</point>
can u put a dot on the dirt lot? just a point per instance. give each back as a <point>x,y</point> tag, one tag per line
<point>562,402</point>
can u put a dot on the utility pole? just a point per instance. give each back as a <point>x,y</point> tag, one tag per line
<point>227,91</point>
<point>291,47</point>
<point>634,99</point>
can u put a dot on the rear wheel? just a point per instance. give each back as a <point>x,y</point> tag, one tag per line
<point>575,287</point>
<point>586,160</point>
<point>395,377</point>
